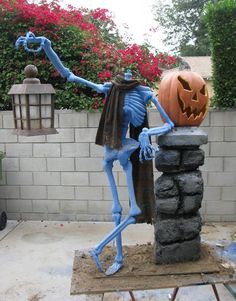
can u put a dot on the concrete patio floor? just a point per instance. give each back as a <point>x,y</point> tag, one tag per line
<point>36,260</point>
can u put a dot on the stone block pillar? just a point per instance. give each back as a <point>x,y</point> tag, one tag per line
<point>179,193</point>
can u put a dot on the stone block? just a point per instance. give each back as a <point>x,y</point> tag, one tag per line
<point>63,136</point>
<point>165,187</point>
<point>19,150</point>
<point>181,137</point>
<point>46,206</point>
<point>61,164</point>
<point>46,178</point>
<point>175,230</point>
<point>191,159</point>
<point>177,252</point>
<point>190,182</point>
<point>61,192</point>
<point>167,160</point>
<point>75,178</point>
<point>33,192</point>
<point>75,149</point>
<point>72,119</point>
<point>33,164</point>
<point>167,206</point>
<point>191,203</point>
<point>46,150</point>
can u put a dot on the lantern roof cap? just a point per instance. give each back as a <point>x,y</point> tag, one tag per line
<point>31,84</point>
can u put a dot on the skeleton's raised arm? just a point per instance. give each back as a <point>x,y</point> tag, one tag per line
<point>45,44</point>
<point>147,151</point>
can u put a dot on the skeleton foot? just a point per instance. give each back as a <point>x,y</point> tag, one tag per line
<point>94,255</point>
<point>114,268</point>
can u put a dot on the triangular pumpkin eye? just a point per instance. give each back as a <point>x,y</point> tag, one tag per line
<point>184,83</point>
<point>203,90</point>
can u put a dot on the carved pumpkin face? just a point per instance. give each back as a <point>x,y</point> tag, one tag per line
<point>184,97</point>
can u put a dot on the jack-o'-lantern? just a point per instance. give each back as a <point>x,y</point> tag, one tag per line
<point>184,97</point>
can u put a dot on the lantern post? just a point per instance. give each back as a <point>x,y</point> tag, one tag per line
<point>33,105</point>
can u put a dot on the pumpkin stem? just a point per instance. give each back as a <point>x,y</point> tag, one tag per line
<point>183,65</point>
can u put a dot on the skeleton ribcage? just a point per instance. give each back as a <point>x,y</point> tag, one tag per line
<point>134,107</point>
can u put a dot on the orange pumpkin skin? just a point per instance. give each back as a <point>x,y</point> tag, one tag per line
<point>184,97</point>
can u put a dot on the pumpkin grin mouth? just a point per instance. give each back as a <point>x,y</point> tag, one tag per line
<point>196,113</point>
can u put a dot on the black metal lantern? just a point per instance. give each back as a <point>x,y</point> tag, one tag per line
<point>33,105</point>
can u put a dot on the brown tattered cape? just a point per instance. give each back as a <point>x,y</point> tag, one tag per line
<point>109,133</point>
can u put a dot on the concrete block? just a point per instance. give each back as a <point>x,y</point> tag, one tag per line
<point>223,118</point>
<point>223,149</point>
<point>228,218</point>
<point>8,122</point>
<point>10,164</point>
<point>1,123</point>
<point>14,216</point>
<point>212,164</point>
<point>220,207</point>
<point>31,139</point>
<point>3,204</point>
<point>222,179</point>
<point>61,192</point>
<point>19,206</point>
<point>61,217</point>
<point>212,193</point>
<point>64,135</point>
<point>19,178</point>
<point>206,149</point>
<point>33,192</point>
<point>206,121</point>
<point>89,164</point>
<point>102,207</point>
<point>122,179</point>
<point>75,149</point>
<point>93,119</point>
<point>96,150</point>
<point>214,133</point>
<point>2,147</point>
<point>33,164</point>
<point>85,135</point>
<point>89,193</point>
<point>230,133</point>
<point>122,193</point>
<point>74,207</point>
<point>229,193</point>
<point>9,192</point>
<point>61,164</point>
<point>99,179</point>
<point>19,150</point>
<point>46,150</point>
<point>46,178</point>
<point>230,163</point>
<point>154,118</point>
<point>46,206</point>
<point>7,136</point>
<point>72,119</point>
<point>75,178</point>
<point>34,216</point>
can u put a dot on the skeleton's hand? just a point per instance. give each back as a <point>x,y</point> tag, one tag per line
<point>147,151</point>
<point>29,39</point>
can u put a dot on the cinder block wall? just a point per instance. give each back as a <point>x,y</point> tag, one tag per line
<point>60,177</point>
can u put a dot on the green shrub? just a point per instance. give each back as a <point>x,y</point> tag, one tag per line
<point>87,42</point>
<point>221,22</point>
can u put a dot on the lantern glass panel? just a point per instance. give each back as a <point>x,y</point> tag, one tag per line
<point>46,110</point>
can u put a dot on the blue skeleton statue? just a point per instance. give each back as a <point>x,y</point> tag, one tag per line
<point>131,101</point>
